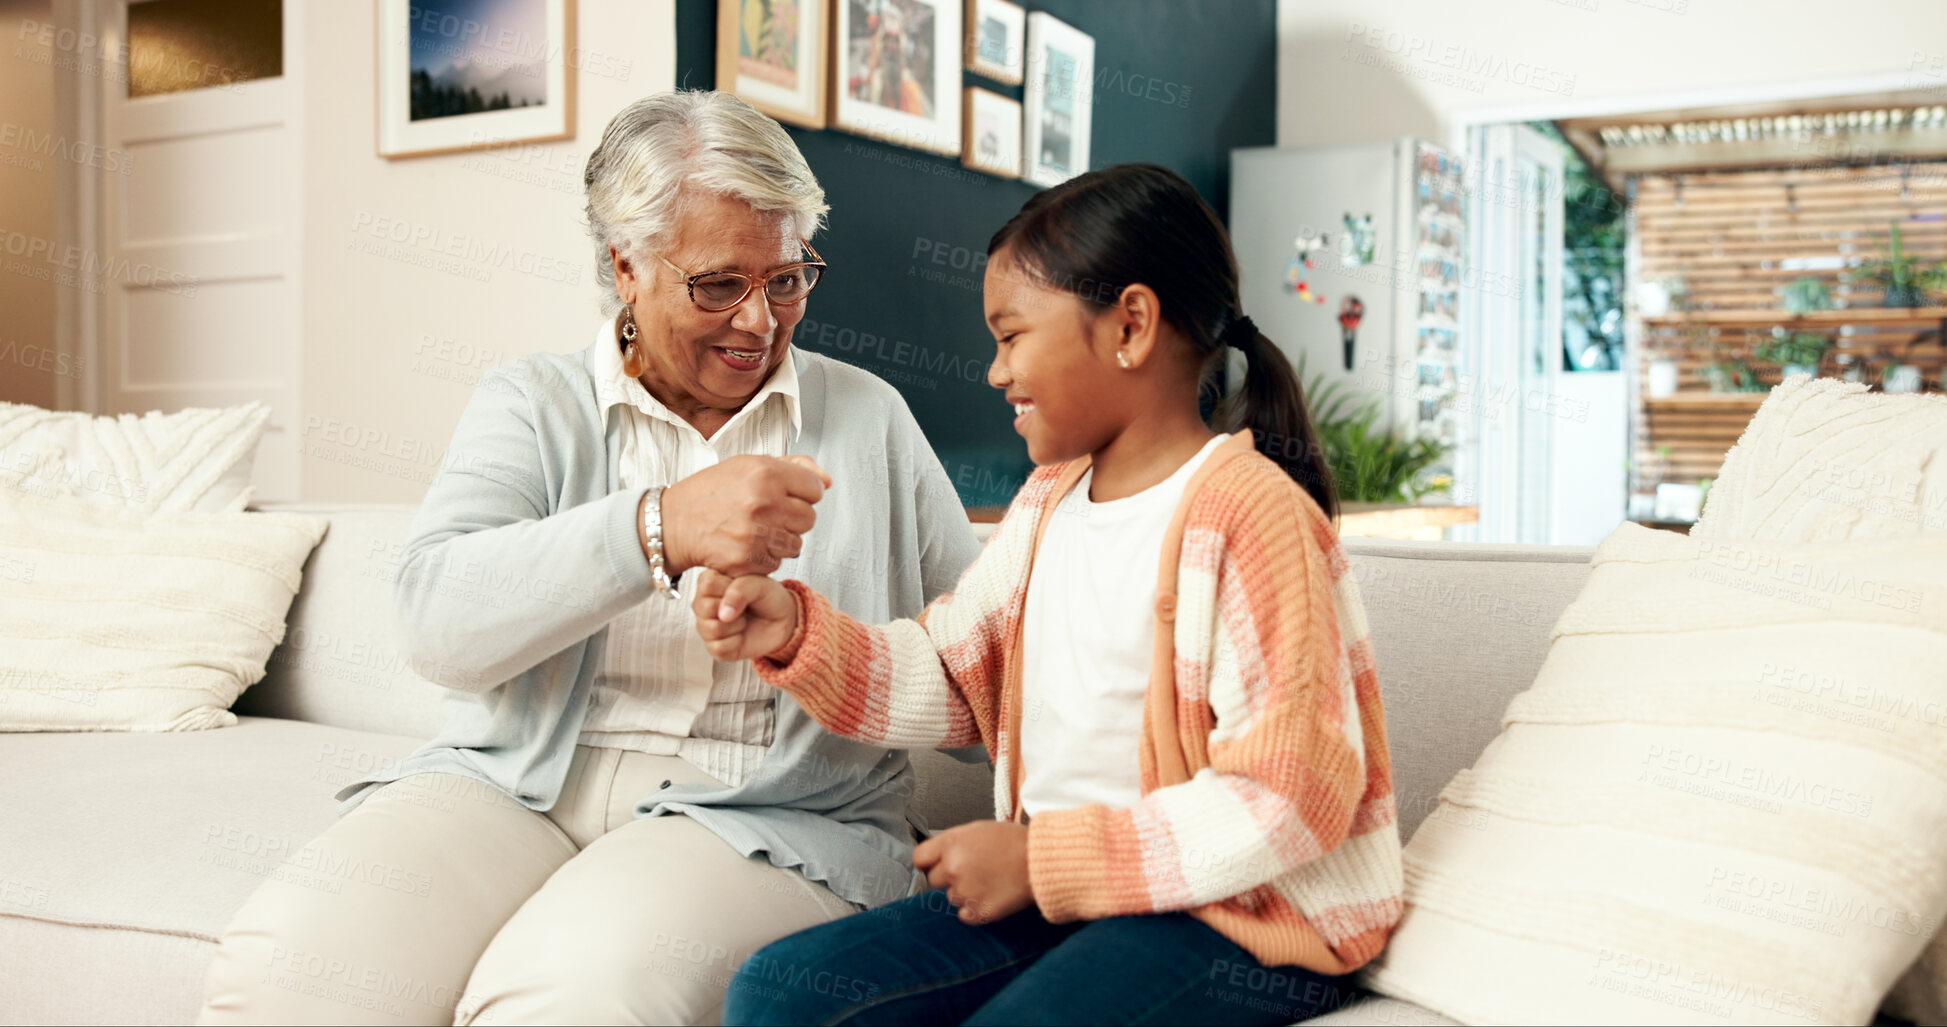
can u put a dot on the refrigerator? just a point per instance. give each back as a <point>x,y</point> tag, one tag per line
<point>1350,259</point>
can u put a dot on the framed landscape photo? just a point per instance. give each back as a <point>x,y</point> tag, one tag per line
<point>993,130</point>
<point>897,72</point>
<point>1060,90</point>
<point>771,53</point>
<point>996,40</point>
<point>464,74</point>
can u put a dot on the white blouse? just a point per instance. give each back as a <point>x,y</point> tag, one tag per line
<point>659,691</point>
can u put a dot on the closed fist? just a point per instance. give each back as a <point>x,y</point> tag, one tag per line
<point>744,618</point>
<point>743,516</point>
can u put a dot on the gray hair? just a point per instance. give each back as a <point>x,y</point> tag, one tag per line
<point>662,147</point>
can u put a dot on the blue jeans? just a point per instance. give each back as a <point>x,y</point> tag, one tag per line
<point>914,962</point>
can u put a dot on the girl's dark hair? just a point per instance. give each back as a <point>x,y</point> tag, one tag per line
<point>1098,233</point>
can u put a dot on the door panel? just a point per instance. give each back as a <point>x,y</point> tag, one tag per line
<point>1515,339</point>
<point>196,278</point>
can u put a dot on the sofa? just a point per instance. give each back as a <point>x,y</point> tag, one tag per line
<point>124,855</point>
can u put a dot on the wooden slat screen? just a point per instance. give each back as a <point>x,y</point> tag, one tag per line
<point>1735,237</point>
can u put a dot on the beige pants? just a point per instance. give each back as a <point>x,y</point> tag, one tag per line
<point>440,900</point>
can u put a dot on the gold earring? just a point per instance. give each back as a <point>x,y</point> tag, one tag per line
<point>1122,357</point>
<point>631,353</point>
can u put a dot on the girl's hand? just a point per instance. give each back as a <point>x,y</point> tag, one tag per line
<point>983,866</point>
<point>744,618</point>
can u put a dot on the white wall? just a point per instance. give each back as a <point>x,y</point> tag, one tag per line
<point>1355,70</point>
<point>30,163</point>
<point>421,273</point>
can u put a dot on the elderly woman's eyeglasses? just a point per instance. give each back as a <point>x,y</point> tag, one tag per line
<point>720,290</point>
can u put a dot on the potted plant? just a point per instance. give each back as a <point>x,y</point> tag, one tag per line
<point>1904,279</point>
<point>1899,377</point>
<point>1794,352</point>
<point>1728,376</point>
<point>1662,377</point>
<point>1804,295</point>
<point>1662,296</point>
<point>1369,463</point>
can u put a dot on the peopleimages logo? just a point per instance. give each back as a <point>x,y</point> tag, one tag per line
<point>93,266</point>
<point>471,255</point>
<point>76,151</point>
<point>1448,63</point>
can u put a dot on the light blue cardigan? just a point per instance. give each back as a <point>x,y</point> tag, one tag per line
<point>525,548</point>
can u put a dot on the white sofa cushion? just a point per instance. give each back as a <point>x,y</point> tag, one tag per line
<point>1826,459</point>
<point>1458,629</point>
<point>141,847</point>
<point>114,620</point>
<point>342,661</point>
<point>197,459</point>
<point>1687,819</point>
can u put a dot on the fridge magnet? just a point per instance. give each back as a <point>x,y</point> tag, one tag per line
<point>1301,262</point>
<point>1351,312</point>
<point>1357,244</point>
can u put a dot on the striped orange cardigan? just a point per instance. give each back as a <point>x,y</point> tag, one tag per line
<point>1267,808</point>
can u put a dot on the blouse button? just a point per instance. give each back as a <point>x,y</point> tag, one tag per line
<point>665,784</point>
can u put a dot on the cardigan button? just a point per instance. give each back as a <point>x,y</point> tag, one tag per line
<point>1166,607</point>
<point>665,784</point>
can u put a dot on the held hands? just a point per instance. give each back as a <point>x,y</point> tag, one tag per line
<point>744,618</point>
<point>983,866</point>
<point>745,515</point>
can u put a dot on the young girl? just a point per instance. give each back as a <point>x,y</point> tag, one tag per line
<point>1160,646</point>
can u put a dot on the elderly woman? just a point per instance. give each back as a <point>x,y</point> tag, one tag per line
<point>611,821</point>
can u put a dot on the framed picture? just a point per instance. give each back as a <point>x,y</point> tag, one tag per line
<point>898,72</point>
<point>771,53</point>
<point>993,130</point>
<point>465,74</point>
<point>996,43</point>
<point>1060,90</point>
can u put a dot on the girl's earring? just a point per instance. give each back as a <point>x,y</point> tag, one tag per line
<point>1122,358</point>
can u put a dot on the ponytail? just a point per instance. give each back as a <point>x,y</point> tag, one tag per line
<point>1104,230</point>
<point>1271,406</point>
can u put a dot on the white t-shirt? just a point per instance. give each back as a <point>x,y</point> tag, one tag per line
<point>1086,643</point>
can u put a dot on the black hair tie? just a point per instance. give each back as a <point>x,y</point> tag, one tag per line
<point>1241,332</point>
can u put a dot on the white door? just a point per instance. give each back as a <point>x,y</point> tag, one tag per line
<point>1516,333</point>
<point>196,295</point>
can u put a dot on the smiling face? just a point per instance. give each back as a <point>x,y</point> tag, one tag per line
<point>706,365</point>
<point>1054,358</point>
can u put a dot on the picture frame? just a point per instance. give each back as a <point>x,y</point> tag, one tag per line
<point>459,75</point>
<point>773,55</point>
<point>896,72</point>
<point>992,126</point>
<point>1060,91</point>
<point>996,40</point>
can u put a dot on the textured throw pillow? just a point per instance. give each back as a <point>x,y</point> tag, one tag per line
<point>1722,801</point>
<point>112,620</point>
<point>1826,459</point>
<point>195,459</point>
